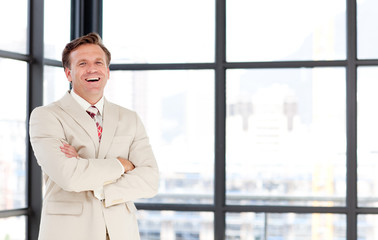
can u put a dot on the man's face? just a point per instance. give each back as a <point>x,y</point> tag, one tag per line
<point>89,72</point>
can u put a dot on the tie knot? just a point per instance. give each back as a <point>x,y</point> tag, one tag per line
<point>92,111</point>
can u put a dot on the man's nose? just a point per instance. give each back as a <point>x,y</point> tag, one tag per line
<point>91,68</point>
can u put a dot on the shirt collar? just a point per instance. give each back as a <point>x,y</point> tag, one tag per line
<point>85,105</point>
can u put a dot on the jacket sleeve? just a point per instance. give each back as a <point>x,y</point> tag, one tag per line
<point>143,181</point>
<point>71,174</point>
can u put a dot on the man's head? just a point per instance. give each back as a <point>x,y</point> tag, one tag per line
<point>91,38</point>
<point>86,64</point>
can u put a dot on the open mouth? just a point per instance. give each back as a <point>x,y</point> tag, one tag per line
<point>92,79</point>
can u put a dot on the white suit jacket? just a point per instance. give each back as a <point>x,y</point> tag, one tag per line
<point>70,209</point>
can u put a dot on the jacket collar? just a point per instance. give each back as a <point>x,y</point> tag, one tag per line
<point>110,120</point>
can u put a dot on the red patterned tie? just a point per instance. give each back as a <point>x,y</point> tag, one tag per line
<point>93,112</point>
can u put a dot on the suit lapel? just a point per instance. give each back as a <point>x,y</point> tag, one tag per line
<point>71,107</point>
<point>109,122</point>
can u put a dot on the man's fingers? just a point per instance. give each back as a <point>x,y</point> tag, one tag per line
<point>68,150</point>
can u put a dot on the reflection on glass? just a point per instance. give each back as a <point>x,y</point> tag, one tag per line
<point>177,108</point>
<point>159,31</point>
<point>286,141</point>
<point>245,226</point>
<point>367,137</point>
<point>12,134</point>
<point>274,30</point>
<point>56,27</point>
<point>171,225</point>
<point>367,22</point>
<point>14,20</point>
<point>55,84</point>
<point>13,228</point>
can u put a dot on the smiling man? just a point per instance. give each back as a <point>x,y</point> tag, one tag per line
<point>95,155</point>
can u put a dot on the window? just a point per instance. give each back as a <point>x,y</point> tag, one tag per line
<point>179,118</point>
<point>13,142</point>
<point>283,104</point>
<point>367,129</point>
<point>261,113</point>
<point>56,27</point>
<point>175,225</point>
<point>179,32</point>
<point>366,21</point>
<point>13,227</point>
<point>276,30</point>
<point>13,120</point>
<point>55,84</point>
<point>285,226</point>
<point>13,17</point>
<point>276,149</point>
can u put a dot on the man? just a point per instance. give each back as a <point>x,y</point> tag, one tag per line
<point>95,155</point>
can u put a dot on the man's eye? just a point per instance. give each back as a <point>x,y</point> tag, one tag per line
<point>99,63</point>
<point>82,64</point>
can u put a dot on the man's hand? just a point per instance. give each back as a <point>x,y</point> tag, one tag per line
<point>68,150</point>
<point>127,165</point>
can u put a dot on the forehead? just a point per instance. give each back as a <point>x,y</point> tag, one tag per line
<point>87,52</point>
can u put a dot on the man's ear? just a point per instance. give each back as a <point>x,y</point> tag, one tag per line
<point>67,71</point>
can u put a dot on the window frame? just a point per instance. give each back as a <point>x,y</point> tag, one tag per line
<point>86,16</point>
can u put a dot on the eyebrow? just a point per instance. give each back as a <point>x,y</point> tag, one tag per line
<point>86,60</point>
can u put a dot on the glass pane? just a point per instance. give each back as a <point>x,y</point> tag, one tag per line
<point>275,30</point>
<point>14,19</point>
<point>367,136</point>
<point>55,84</point>
<point>171,225</point>
<point>286,226</point>
<point>13,228</point>
<point>56,27</point>
<point>13,134</point>
<point>150,31</point>
<point>286,141</point>
<point>367,22</point>
<point>367,227</point>
<point>177,108</point>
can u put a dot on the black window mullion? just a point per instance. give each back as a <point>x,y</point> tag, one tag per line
<point>86,17</point>
<point>220,121</point>
<point>77,9</point>
<point>14,212</point>
<point>35,99</point>
<point>92,16</point>
<point>351,122</point>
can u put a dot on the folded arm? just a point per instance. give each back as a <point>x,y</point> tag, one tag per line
<point>70,152</point>
<point>143,180</point>
<point>70,173</point>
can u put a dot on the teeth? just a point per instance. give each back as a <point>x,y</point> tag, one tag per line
<point>92,79</point>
